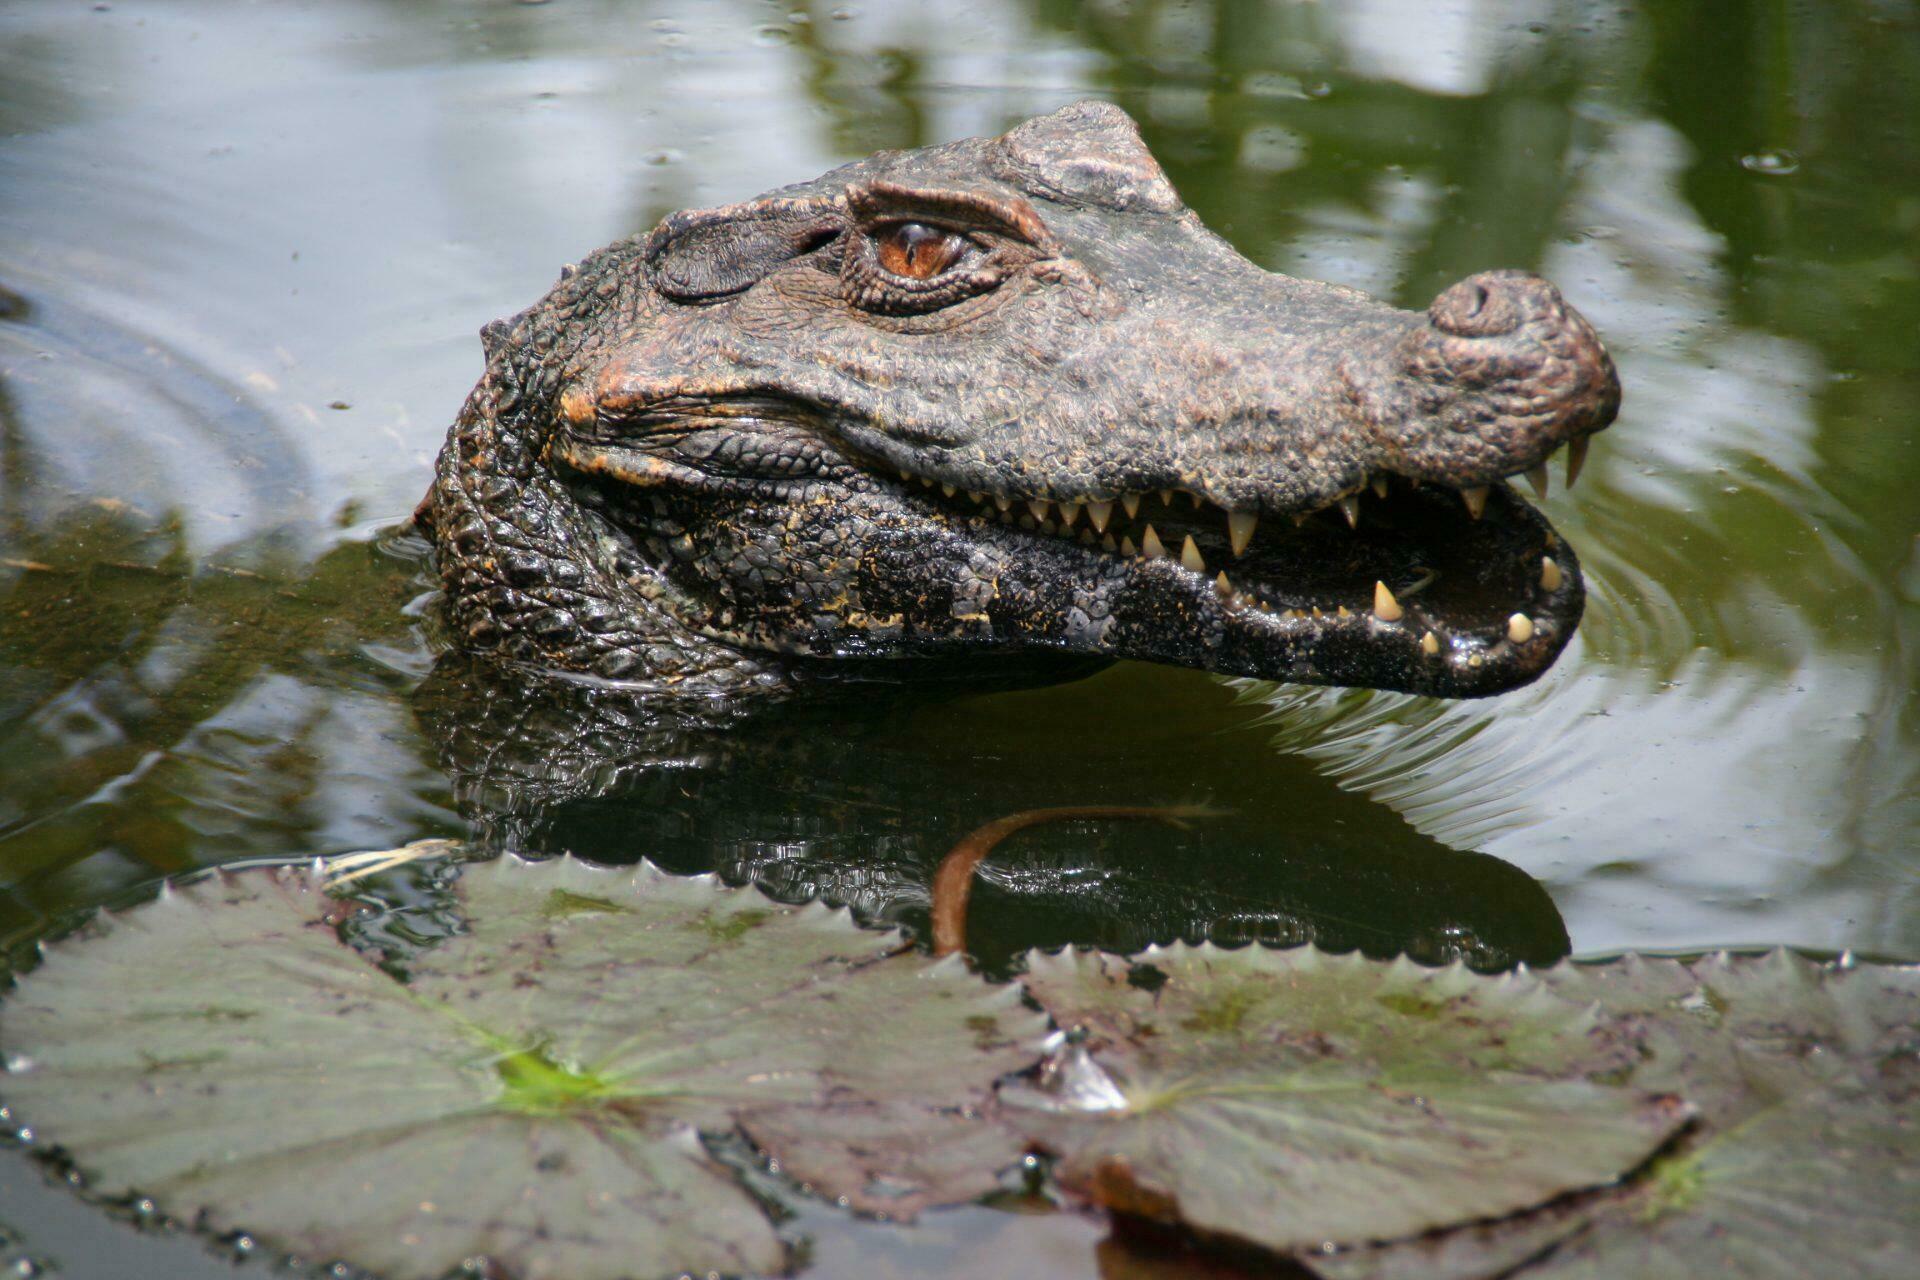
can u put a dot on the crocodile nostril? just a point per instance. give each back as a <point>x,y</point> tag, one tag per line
<point>1484,306</point>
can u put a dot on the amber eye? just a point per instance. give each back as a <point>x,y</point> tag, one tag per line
<point>918,251</point>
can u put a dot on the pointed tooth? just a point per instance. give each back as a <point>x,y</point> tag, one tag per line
<point>1385,607</point>
<point>1430,644</point>
<point>1131,502</point>
<point>1240,527</point>
<point>1519,628</point>
<point>1099,513</point>
<point>1221,584</point>
<point>1040,507</point>
<point>1195,499</point>
<point>1108,544</point>
<point>1151,547</point>
<point>1190,556</point>
<point>1476,500</point>
<point>1379,484</point>
<point>1537,477</point>
<point>1069,513</point>
<point>1127,548</point>
<point>1029,524</point>
<point>1550,575</point>
<point>1166,497</point>
<point>906,475</point>
<point>1002,502</point>
<point>1344,612</point>
<point>1087,539</point>
<point>928,481</point>
<point>1300,517</point>
<point>1048,527</point>
<point>1350,508</point>
<point>1298,615</point>
<point>1576,458</point>
<point>977,496</point>
<point>949,490</point>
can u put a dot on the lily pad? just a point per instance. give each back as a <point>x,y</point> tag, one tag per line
<point>1805,1158</point>
<point>535,1092</point>
<point>1298,1100</point>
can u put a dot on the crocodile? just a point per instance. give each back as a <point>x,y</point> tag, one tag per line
<point>1008,401</point>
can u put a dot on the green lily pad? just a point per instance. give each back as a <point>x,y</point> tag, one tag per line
<point>1805,1158</point>
<point>536,1091</point>
<point>1298,1100</point>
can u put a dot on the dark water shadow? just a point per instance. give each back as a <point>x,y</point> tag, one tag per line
<point>856,796</point>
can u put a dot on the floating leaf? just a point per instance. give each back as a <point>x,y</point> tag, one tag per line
<point>1806,1156</point>
<point>535,1092</point>
<point>1295,1099</point>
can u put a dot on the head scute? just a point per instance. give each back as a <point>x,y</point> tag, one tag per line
<point>1088,153</point>
<point>700,254</point>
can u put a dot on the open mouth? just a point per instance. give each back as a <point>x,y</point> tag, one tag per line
<point>1401,584</point>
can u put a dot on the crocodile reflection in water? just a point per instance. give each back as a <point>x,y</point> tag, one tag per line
<point>859,803</point>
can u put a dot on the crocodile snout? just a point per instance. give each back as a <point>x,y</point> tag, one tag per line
<point>1502,373</point>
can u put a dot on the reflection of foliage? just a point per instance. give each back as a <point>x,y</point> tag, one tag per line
<point>147,712</point>
<point>1456,183</point>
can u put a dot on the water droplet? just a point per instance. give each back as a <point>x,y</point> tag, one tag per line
<point>844,13</point>
<point>772,37</point>
<point>663,155</point>
<point>1774,164</point>
<point>18,1064</point>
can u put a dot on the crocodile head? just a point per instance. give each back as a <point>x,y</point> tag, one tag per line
<point>1009,396</point>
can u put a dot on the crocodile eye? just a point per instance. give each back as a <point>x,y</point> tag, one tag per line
<point>918,251</point>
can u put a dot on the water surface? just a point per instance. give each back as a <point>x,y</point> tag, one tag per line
<point>244,254</point>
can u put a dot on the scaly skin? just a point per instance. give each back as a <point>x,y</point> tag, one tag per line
<point>767,444</point>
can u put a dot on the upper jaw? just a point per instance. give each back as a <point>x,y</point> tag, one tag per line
<point>1491,382</point>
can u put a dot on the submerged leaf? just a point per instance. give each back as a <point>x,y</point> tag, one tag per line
<point>535,1093</point>
<point>1297,1099</point>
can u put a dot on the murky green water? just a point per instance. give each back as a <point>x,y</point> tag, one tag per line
<point>244,252</point>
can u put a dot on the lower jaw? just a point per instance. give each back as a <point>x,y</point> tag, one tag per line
<point>1418,597</point>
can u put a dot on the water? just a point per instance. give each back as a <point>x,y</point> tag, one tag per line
<point>244,254</point>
